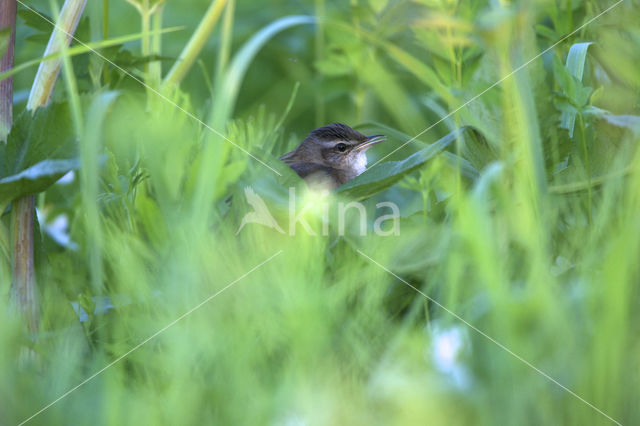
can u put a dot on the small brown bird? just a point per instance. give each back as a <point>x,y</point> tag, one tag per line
<point>331,155</point>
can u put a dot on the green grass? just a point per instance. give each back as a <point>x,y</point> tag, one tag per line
<point>523,235</point>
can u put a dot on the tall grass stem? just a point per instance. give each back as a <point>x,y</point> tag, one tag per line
<point>196,43</point>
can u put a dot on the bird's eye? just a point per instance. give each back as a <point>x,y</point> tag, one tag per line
<point>341,147</point>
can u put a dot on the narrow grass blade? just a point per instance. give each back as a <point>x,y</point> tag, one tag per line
<point>79,50</point>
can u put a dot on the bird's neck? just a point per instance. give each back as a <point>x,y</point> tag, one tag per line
<point>358,166</point>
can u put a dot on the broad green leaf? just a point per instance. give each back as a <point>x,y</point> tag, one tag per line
<point>34,179</point>
<point>382,176</point>
<point>38,20</point>
<point>40,148</point>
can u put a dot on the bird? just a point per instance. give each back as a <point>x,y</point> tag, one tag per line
<point>260,213</point>
<point>331,155</point>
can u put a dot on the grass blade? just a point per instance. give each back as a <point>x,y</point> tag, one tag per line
<point>79,50</point>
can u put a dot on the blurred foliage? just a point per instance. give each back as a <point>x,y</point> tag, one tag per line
<point>520,214</point>
<point>37,153</point>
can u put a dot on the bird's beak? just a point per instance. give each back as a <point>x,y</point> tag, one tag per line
<point>371,140</point>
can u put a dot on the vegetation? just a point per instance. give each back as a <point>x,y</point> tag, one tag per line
<point>508,296</point>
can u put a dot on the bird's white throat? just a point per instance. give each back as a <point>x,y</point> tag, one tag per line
<point>360,164</point>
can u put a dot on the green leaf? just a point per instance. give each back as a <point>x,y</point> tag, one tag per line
<point>576,59</point>
<point>38,38</point>
<point>334,65</point>
<point>564,104</point>
<point>381,177</point>
<point>476,150</point>
<point>565,80</point>
<point>34,179</point>
<point>40,148</point>
<point>547,32</point>
<point>579,94</point>
<point>630,122</point>
<point>38,20</point>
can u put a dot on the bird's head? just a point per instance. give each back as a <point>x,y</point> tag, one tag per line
<point>337,146</point>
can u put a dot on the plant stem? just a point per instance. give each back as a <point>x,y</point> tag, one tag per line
<point>96,64</point>
<point>585,152</point>
<point>225,40</point>
<point>23,286</point>
<point>70,80</point>
<point>105,36</point>
<point>49,70</point>
<point>155,67</point>
<point>7,20</point>
<point>145,24</point>
<point>24,297</point>
<point>195,44</point>
<point>24,293</point>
